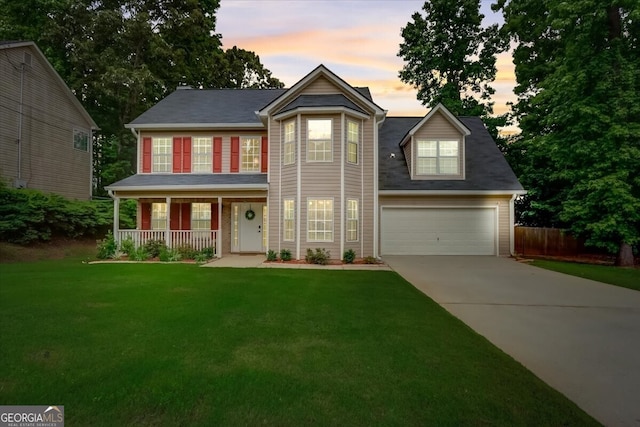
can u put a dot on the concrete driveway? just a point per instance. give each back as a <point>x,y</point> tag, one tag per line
<point>579,336</point>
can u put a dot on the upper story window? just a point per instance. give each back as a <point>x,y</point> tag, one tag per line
<point>161,155</point>
<point>353,139</point>
<point>80,140</point>
<point>250,154</point>
<point>289,144</point>
<point>201,155</point>
<point>319,140</point>
<point>438,158</point>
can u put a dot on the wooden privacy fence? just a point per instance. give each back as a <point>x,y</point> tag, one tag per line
<point>546,241</point>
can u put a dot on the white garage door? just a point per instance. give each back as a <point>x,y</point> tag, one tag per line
<point>438,231</point>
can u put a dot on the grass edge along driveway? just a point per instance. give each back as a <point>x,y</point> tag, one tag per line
<point>181,345</point>
<point>624,277</point>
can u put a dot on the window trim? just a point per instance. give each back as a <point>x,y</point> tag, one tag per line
<point>168,154</point>
<point>356,219</point>
<point>291,144</point>
<point>438,157</point>
<point>317,199</point>
<point>208,155</point>
<point>356,142</point>
<point>154,219</point>
<point>205,220</point>
<point>258,154</point>
<point>292,220</point>
<point>330,151</point>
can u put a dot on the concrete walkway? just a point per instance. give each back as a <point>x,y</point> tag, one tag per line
<point>258,261</point>
<point>579,336</point>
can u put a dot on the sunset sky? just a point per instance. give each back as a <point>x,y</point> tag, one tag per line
<point>356,39</point>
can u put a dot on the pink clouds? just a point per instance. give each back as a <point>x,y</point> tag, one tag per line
<point>358,40</point>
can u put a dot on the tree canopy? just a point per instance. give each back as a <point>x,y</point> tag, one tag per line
<point>578,87</point>
<point>121,57</point>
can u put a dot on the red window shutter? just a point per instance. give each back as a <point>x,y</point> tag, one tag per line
<point>174,224</point>
<point>214,216</point>
<point>235,154</point>
<point>186,216</point>
<point>217,154</point>
<point>145,216</point>
<point>177,154</point>
<point>265,153</point>
<point>186,155</point>
<point>146,155</point>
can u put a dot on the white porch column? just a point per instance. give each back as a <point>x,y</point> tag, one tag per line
<point>167,232</point>
<point>219,232</point>
<point>116,219</point>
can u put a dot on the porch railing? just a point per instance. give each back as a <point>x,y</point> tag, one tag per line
<point>196,239</point>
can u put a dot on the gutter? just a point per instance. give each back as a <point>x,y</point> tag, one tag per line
<point>451,192</point>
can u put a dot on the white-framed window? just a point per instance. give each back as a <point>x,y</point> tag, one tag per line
<point>319,140</point>
<point>352,220</point>
<point>353,140</point>
<point>289,143</point>
<point>320,220</point>
<point>81,140</point>
<point>201,216</point>
<point>438,158</point>
<point>161,155</point>
<point>201,154</point>
<point>250,154</point>
<point>158,216</point>
<point>289,221</point>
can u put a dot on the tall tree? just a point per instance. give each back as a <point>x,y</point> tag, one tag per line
<point>451,58</point>
<point>579,108</point>
<point>122,56</point>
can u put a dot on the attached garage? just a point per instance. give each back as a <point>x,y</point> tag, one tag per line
<point>439,231</point>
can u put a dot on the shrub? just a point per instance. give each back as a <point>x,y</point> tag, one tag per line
<point>371,260</point>
<point>208,252</point>
<point>139,254</point>
<point>169,255</point>
<point>320,256</point>
<point>127,246</point>
<point>349,256</point>
<point>186,252</point>
<point>107,247</point>
<point>154,247</point>
<point>285,255</point>
<point>272,255</point>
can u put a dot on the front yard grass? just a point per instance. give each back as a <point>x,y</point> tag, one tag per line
<point>624,277</point>
<point>141,344</point>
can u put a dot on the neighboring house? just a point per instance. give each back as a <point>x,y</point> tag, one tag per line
<point>45,134</point>
<point>318,165</point>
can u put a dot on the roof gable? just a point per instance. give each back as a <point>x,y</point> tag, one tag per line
<point>453,120</point>
<point>33,49</point>
<point>360,95</point>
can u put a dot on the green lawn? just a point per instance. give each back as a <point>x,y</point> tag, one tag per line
<point>153,344</point>
<point>625,277</point>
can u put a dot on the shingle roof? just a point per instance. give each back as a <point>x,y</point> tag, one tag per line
<point>212,106</point>
<point>486,168</point>
<point>200,180</point>
<point>335,100</point>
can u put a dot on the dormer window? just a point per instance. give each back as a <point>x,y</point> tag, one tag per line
<point>319,140</point>
<point>438,157</point>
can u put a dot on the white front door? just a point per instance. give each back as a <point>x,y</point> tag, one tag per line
<point>247,227</point>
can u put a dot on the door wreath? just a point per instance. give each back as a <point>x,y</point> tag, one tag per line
<point>250,214</point>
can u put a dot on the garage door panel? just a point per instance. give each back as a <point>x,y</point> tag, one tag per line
<point>438,231</point>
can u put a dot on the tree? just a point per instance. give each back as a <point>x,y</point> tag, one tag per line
<point>121,57</point>
<point>579,108</point>
<point>451,59</point>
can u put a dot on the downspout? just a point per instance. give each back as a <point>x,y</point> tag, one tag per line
<point>20,121</point>
<point>512,225</point>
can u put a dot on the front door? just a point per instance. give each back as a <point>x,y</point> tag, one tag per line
<point>247,227</point>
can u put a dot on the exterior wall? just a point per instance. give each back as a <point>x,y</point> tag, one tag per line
<point>49,161</point>
<point>437,127</point>
<point>226,142</point>
<point>505,223</point>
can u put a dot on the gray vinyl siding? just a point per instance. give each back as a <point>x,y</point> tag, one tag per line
<point>436,128</point>
<point>502,202</point>
<point>49,162</point>
<point>321,86</point>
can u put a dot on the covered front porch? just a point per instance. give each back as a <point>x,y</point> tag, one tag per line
<point>227,219</point>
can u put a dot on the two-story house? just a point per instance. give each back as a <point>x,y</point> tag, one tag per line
<point>319,165</point>
<point>45,133</point>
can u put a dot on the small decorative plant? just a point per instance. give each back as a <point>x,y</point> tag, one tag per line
<point>154,247</point>
<point>272,255</point>
<point>285,255</point>
<point>371,260</point>
<point>349,256</point>
<point>107,247</point>
<point>127,246</point>
<point>320,256</point>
